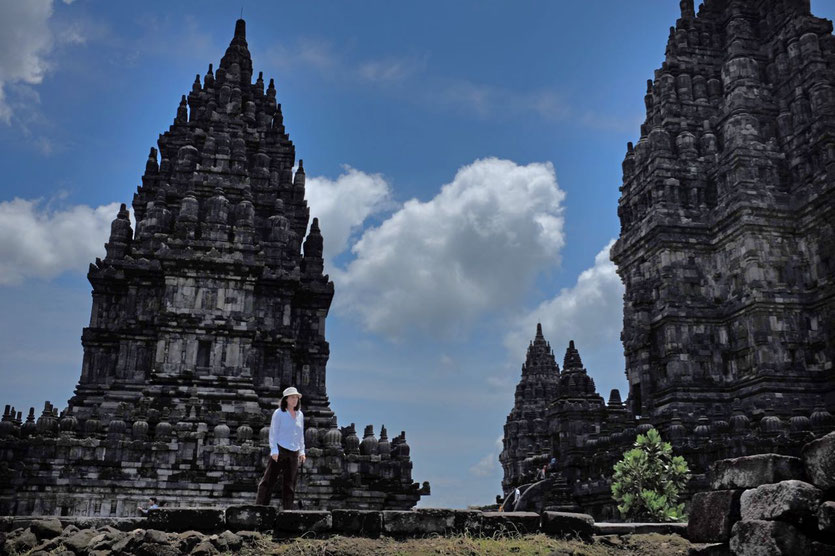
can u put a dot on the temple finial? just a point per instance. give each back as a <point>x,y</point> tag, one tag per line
<point>240,28</point>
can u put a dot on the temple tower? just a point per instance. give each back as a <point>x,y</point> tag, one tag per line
<point>526,440</point>
<point>200,318</point>
<point>727,245</point>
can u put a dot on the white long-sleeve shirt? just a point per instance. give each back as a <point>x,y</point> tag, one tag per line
<point>287,432</point>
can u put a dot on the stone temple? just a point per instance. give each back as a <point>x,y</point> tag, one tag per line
<point>200,318</point>
<point>727,253</point>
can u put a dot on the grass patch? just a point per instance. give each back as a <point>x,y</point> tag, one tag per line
<point>522,545</point>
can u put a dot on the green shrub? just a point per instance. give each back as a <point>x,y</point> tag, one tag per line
<point>648,480</point>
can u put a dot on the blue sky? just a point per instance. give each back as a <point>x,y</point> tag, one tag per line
<point>464,159</point>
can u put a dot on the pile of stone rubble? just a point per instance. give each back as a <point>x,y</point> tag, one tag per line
<point>769,504</point>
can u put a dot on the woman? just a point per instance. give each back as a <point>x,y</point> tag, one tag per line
<point>286,450</point>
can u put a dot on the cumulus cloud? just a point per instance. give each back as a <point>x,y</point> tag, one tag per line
<point>25,40</point>
<point>36,241</point>
<point>343,204</point>
<point>476,246</point>
<point>590,312</point>
<point>489,464</point>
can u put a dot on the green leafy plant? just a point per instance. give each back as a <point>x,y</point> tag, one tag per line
<point>648,479</point>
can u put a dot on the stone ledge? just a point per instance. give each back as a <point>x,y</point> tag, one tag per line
<point>359,523</point>
<point>180,520</point>
<point>640,528</point>
<point>753,471</point>
<point>568,524</point>
<point>509,522</point>
<point>363,523</point>
<point>9,523</point>
<point>292,523</point>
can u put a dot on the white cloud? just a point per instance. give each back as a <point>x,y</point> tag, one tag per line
<point>390,70</point>
<point>25,40</point>
<point>36,241</point>
<point>474,247</point>
<point>590,312</point>
<point>489,464</point>
<point>342,205</point>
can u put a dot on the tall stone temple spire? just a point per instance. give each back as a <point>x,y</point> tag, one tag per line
<point>727,245</point>
<point>200,318</point>
<point>526,438</point>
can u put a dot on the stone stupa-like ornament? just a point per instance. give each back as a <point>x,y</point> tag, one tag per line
<point>200,318</point>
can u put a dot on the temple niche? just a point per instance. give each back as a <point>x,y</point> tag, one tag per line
<point>200,318</point>
<point>726,251</point>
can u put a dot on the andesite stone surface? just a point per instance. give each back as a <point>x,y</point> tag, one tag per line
<point>712,515</point>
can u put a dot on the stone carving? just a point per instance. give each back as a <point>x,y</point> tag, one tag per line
<point>199,320</point>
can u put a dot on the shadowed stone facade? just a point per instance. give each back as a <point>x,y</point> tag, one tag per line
<point>200,318</point>
<point>527,444</point>
<point>727,251</point>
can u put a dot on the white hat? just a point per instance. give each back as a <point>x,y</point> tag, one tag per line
<point>291,392</point>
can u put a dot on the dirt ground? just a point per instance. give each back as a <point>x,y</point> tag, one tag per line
<point>654,544</point>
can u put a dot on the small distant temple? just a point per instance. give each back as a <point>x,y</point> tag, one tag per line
<point>200,318</point>
<point>727,254</point>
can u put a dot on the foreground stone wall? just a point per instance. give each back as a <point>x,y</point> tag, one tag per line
<point>202,531</point>
<point>770,504</point>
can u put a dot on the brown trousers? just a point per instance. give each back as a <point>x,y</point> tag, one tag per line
<point>288,465</point>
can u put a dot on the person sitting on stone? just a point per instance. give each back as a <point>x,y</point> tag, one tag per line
<point>152,506</point>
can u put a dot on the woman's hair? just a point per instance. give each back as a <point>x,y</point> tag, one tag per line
<point>284,404</point>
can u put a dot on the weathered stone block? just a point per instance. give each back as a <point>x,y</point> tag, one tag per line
<point>250,518</point>
<point>509,522</point>
<point>819,461</point>
<point>822,549</point>
<point>753,471</point>
<point>362,523</point>
<point>46,528</point>
<point>417,523</point>
<point>78,542</point>
<point>792,501</point>
<point>178,520</point>
<point>188,540</point>
<point>768,538</point>
<point>565,524</point>
<point>467,520</point>
<point>604,528</point>
<point>298,522</point>
<point>712,549</point>
<point>20,541</point>
<point>712,515</point>
<point>826,518</point>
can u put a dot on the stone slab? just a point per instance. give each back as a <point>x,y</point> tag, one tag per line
<point>771,538</point>
<point>826,519</point>
<point>567,524</point>
<point>712,516</point>
<point>292,523</point>
<point>710,549</point>
<point>753,471</point>
<point>360,523</point>
<point>819,461</point>
<point>421,522</point>
<point>604,528</point>
<point>250,518</point>
<point>509,522</point>
<point>179,520</point>
<point>792,501</point>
